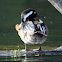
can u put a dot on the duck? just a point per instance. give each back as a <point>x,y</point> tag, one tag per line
<point>30,30</point>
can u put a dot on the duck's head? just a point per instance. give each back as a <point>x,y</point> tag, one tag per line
<point>29,14</point>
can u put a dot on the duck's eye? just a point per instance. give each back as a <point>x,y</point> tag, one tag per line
<point>34,12</point>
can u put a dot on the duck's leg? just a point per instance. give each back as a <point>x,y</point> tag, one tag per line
<point>40,47</point>
<point>26,47</point>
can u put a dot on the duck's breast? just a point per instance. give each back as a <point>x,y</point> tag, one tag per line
<point>31,36</point>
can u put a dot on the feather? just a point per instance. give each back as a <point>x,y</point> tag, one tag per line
<point>33,32</point>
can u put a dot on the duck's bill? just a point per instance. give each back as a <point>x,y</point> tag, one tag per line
<point>40,16</point>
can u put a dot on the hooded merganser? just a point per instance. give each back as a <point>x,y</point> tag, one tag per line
<point>29,15</point>
<point>31,31</point>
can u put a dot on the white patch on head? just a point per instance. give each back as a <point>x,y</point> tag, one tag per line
<point>27,15</point>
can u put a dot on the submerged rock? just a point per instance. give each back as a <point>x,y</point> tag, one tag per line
<point>30,52</point>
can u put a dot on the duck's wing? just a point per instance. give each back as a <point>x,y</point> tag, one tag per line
<point>40,27</point>
<point>28,27</point>
<point>34,27</point>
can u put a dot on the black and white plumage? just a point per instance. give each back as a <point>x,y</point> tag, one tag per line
<point>32,31</point>
<point>35,33</point>
<point>31,35</point>
<point>29,14</point>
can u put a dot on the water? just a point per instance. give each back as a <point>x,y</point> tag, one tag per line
<point>43,58</point>
<point>10,15</point>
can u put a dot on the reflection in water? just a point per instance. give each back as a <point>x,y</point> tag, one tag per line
<point>43,58</point>
<point>32,58</point>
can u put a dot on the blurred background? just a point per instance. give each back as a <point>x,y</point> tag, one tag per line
<point>10,11</point>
